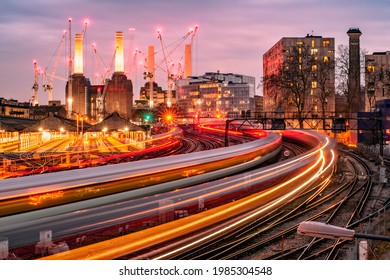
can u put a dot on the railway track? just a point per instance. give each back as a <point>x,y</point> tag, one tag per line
<point>99,152</point>
<point>345,203</point>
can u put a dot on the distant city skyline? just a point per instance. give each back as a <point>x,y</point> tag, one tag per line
<point>232,36</point>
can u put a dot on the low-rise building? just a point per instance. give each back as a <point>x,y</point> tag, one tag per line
<point>14,108</point>
<point>377,78</point>
<point>216,94</point>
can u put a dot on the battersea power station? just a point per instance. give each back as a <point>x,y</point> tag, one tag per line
<point>99,101</point>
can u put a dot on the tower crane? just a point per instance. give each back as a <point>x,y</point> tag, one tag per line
<point>48,85</point>
<point>193,34</point>
<point>170,76</point>
<point>107,69</point>
<point>102,98</point>
<point>102,75</point>
<point>69,99</point>
<point>35,87</point>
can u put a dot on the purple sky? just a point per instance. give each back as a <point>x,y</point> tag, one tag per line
<point>232,35</point>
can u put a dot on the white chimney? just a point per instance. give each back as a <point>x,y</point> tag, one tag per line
<point>151,61</point>
<point>187,61</point>
<point>78,54</point>
<point>119,54</point>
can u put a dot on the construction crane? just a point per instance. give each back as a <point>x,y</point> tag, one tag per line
<point>107,69</point>
<point>35,87</point>
<point>171,77</point>
<point>193,34</point>
<point>69,100</point>
<point>101,100</point>
<point>48,84</point>
<point>85,42</point>
<point>102,75</point>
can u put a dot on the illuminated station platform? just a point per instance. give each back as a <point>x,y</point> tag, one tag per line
<point>28,143</point>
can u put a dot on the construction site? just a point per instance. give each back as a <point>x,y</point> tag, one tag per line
<point>112,88</point>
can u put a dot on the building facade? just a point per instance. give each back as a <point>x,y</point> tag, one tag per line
<point>159,97</point>
<point>320,95</point>
<point>259,104</point>
<point>14,108</point>
<point>99,101</point>
<point>216,95</point>
<point>383,105</point>
<point>377,78</point>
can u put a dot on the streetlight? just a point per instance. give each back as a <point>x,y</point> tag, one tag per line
<point>322,230</point>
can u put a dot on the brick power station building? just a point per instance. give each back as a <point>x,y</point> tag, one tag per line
<point>99,101</point>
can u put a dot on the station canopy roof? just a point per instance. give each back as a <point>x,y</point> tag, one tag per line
<point>12,124</point>
<point>115,123</point>
<point>53,123</point>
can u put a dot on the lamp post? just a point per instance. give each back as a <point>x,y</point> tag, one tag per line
<point>82,126</point>
<point>77,126</point>
<point>322,230</point>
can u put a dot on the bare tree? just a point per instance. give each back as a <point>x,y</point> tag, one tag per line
<point>350,100</point>
<point>377,79</point>
<point>342,79</point>
<point>372,77</point>
<point>324,74</point>
<point>291,86</point>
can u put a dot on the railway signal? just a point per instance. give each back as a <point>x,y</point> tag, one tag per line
<point>148,117</point>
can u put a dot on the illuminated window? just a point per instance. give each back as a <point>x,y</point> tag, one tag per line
<point>312,43</point>
<point>313,67</point>
<point>314,84</point>
<point>300,43</point>
<point>314,51</point>
<point>371,68</point>
<point>326,58</point>
<point>300,50</point>
<point>325,43</point>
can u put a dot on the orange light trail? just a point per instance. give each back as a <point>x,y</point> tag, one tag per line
<point>204,126</point>
<point>269,199</point>
<point>252,199</point>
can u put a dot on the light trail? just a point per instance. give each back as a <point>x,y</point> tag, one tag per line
<point>23,194</point>
<point>256,214</point>
<point>318,163</point>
